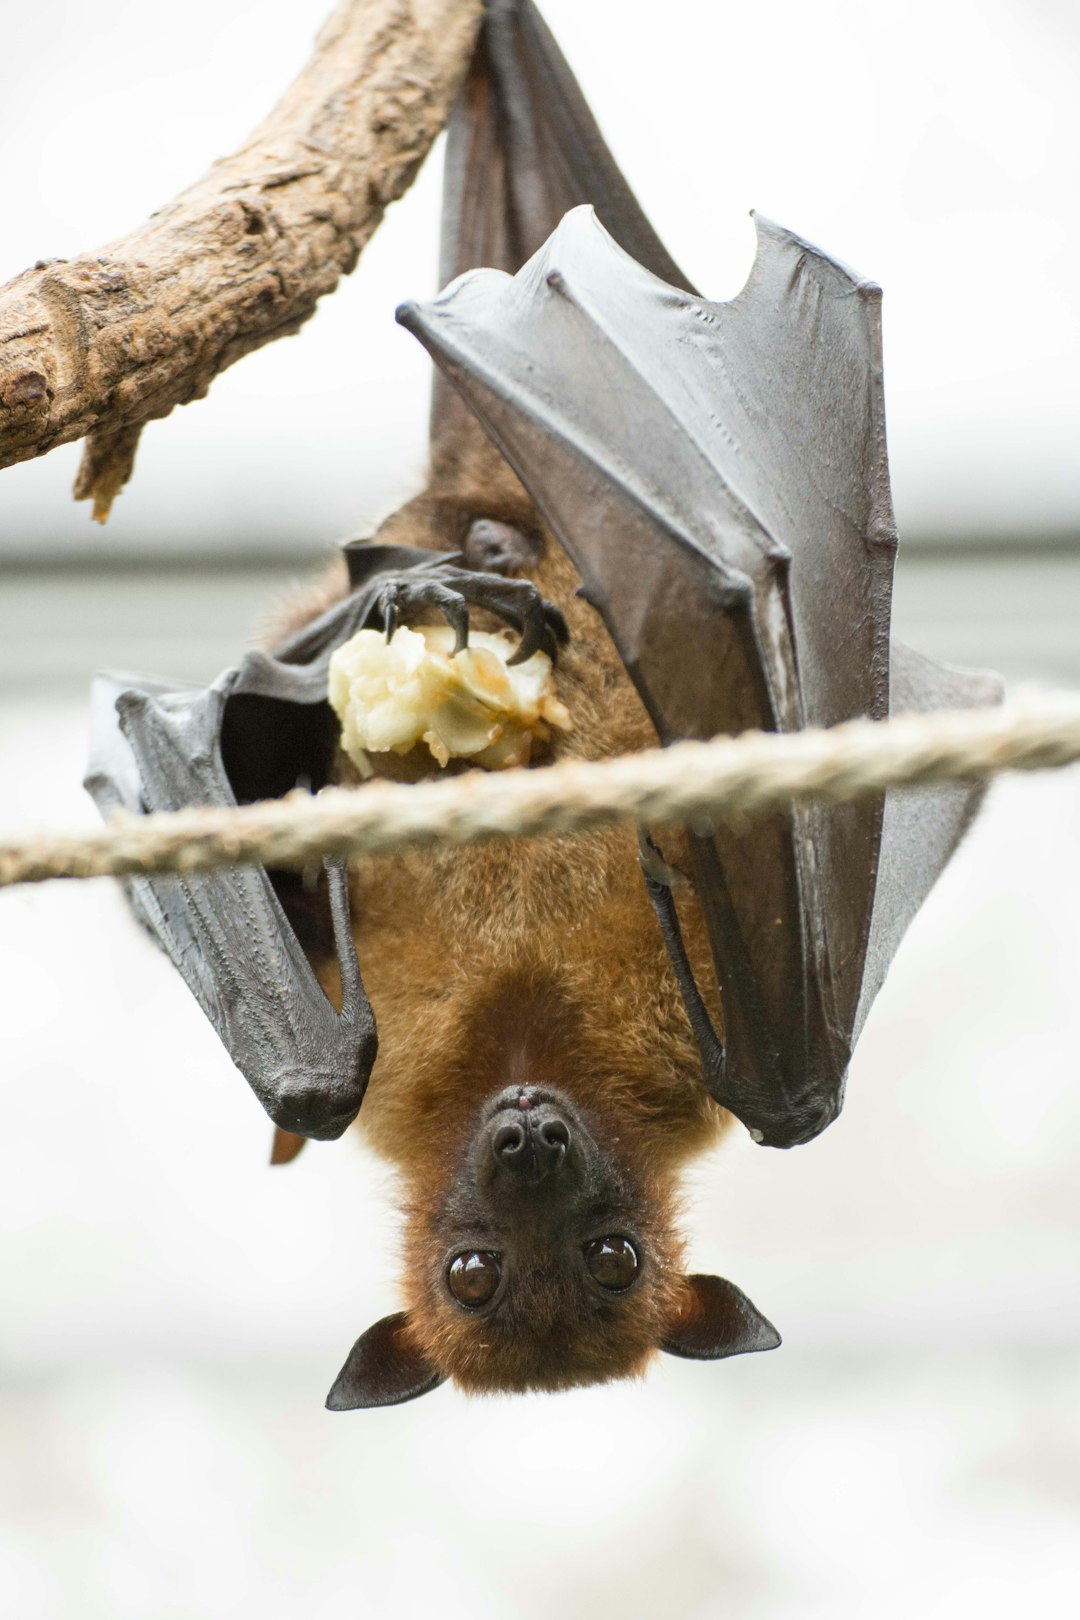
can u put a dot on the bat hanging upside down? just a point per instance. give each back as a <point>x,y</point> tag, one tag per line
<point>537,1085</point>
<point>684,508</point>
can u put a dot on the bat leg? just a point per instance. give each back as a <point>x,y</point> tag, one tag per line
<point>451,591</point>
<point>500,548</point>
<point>658,888</point>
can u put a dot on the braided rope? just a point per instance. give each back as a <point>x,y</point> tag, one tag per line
<point>696,783</point>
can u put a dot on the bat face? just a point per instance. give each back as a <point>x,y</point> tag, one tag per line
<point>541,1261</point>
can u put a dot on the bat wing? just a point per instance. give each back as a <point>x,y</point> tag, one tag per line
<point>522,149</point>
<point>718,475</point>
<point>260,730</point>
<point>921,826</point>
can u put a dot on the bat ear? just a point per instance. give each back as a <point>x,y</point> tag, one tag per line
<point>383,1368</point>
<point>716,1320</point>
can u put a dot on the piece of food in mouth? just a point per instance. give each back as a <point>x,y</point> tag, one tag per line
<point>391,695</point>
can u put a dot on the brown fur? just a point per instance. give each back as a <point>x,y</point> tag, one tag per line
<point>554,1332</point>
<point>528,962</point>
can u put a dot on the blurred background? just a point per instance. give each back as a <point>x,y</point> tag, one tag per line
<point>173,1311</point>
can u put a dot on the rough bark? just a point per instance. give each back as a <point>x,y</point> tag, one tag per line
<point>98,345</point>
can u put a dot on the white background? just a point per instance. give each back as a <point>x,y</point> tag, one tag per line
<point>172,1311</point>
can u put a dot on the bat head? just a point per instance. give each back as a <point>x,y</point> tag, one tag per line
<point>543,1262</point>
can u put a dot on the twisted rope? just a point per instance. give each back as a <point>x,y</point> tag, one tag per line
<point>697,783</point>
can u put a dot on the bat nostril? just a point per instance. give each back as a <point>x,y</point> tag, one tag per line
<point>528,1148</point>
<point>507,1141</point>
<point>555,1135</point>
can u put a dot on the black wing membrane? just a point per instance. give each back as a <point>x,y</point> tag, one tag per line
<point>260,730</point>
<point>718,475</point>
<point>522,149</point>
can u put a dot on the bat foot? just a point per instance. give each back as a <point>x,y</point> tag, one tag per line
<point>451,591</point>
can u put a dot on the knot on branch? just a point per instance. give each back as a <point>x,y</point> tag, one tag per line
<point>24,390</point>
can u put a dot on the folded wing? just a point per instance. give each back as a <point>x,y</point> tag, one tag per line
<point>522,149</point>
<point>261,730</point>
<point>718,475</point>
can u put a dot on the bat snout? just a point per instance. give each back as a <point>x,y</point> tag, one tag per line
<point>530,1145</point>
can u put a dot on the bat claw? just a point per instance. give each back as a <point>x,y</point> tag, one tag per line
<point>532,635</point>
<point>389,607</point>
<point>455,610</point>
<point>451,591</point>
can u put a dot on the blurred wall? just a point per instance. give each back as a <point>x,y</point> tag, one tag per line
<point>932,145</point>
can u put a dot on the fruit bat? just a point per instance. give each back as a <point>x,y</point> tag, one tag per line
<point>687,505</point>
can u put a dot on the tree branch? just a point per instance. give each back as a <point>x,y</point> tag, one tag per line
<point>98,345</point>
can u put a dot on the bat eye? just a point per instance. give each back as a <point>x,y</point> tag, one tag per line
<point>474,1276</point>
<point>613,1262</point>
